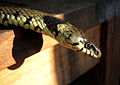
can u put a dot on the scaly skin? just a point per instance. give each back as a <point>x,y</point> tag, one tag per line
<point>40,22</point>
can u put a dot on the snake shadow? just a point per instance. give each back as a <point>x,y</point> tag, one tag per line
<point>25,44</point>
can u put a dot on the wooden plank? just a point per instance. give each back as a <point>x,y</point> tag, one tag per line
<point>6,44</point>
<point>56,65</point>
<point>23,43</point>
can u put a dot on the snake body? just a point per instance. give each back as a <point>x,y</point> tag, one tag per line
<point>64,32</point>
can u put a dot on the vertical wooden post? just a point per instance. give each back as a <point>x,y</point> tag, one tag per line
<point>107,71</point>
<point>113,52</point>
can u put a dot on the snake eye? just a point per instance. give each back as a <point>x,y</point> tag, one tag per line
<point>88,45</point>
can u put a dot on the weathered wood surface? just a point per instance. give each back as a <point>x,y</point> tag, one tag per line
<point>56,65</point>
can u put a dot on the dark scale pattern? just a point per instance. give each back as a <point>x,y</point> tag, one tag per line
<point>37,27</point>
<point>69,36</point>
<point>16,14</point>
<point>52,23</point>
<point>28,20</point>
<point>5,18</point>
<point>77,43</point>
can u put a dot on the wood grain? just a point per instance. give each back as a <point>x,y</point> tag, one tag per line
<point>113,52</point>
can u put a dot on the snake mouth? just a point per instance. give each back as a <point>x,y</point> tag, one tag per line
<point>95,54</point>
<point>88,49</point>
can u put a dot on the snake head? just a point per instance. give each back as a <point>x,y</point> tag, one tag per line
<point>75,40</point>
<point>85,46</point>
